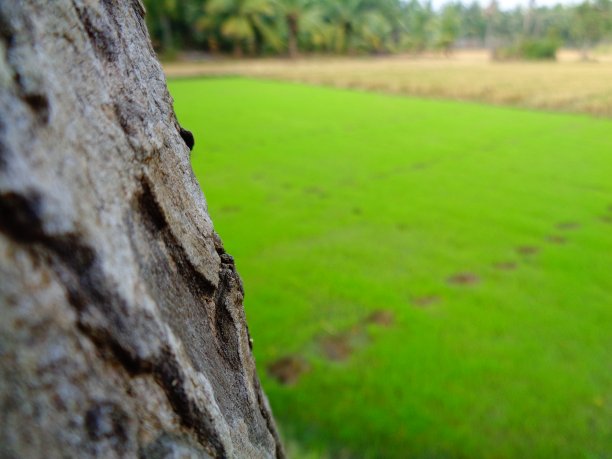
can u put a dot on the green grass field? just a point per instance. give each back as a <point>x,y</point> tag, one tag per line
<point>481,235</point>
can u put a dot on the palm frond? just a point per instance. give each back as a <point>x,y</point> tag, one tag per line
<point>238,28</point>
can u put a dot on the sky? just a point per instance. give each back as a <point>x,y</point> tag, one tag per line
<point>510,4</point>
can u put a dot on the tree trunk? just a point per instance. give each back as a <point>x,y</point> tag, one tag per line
<point>237,49</point>
<point>213,45</point>
<point>166,33</point>
<point>292,26</point>
<point>584,52</point>
<point>348,36</point>
<point>123,332</point>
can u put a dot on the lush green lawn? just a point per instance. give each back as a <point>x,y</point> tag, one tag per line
<point>338,203</point>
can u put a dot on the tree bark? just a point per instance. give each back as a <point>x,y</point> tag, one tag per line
<point>292,34</point>
<point>237,49</point>
<point>123,332</point>
<point>166,33</point>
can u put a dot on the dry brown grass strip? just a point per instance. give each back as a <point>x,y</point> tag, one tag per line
<point>567,85</point>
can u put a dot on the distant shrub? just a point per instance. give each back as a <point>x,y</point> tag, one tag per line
<point>538,49</point>
<point>445,43</point>
<point>529,49</point>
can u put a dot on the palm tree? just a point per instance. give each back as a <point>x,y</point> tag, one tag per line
<point>418,18</point>
<point>159,18</point>
<point>449,27</point>
<point>208,25</point>
<point>492,15</point>
<point>375,30</point>
<point>345,14</point>
<point>393,12</point>
<point>592,20</point>
<point>241,20</point>
<point>300,16</point>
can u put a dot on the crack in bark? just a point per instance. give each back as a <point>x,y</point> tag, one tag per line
<point>157,223</point>
<point>227,332</point>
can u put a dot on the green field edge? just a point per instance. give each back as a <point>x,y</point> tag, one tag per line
<point>391,94</point>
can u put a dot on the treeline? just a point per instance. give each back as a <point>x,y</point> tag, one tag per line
<point>275,27</point>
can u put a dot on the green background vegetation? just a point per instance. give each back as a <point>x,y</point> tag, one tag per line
<point>337,204</point>
<point>257,27</point>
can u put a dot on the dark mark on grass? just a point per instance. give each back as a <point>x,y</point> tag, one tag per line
<point>555,239</point>
<point>506,265</point>
<point>229,209</point>
<point>287,370</point>
<point>606,218</point>
<point>424,301</point>
<point>527,250</point>
<point>337,347</point>
<point>381,317</point>
<point>315,191</point>
<point>463,279</point>
<point>419,166</point>
<point>567,226</point>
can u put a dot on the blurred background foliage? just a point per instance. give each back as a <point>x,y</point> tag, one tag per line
<point>291,27</point>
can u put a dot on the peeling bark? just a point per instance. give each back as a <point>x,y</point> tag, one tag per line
<point>123,332</point>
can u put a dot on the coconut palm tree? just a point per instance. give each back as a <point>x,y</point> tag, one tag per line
<point>160,15</point>
<point>344,15</point>
<point>300,16</point>
<point>592,20</point>
<point>241,20</point>
<point>375,31</point>
<point>416,19</point>
<point>449,27</point>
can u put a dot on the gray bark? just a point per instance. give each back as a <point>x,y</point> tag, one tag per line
<point>122,330</point>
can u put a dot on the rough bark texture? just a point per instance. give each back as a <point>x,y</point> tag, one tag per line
<point>122,331</point>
